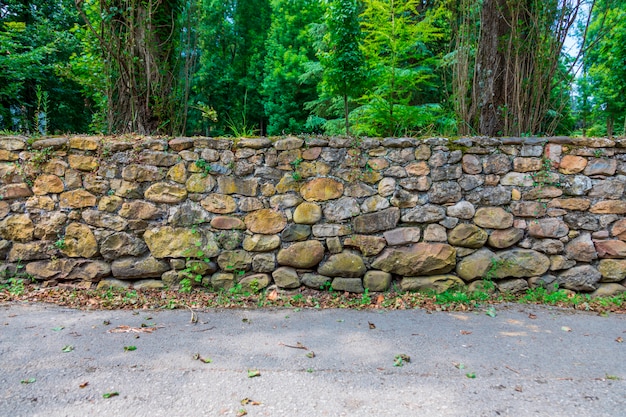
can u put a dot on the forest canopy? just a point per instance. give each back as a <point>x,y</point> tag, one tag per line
<point>273,67</point>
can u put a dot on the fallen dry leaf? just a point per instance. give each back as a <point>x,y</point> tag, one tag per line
<point>247,401</point>
<point>465,332</point>
<point>372,325</point>
<point>298,345</point>
<point>273,295</point>
<point>127,329</point>
<point>619,340</point>
<point>83,385</point>
<point>532,316</point>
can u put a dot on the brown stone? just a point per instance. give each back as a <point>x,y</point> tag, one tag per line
<point>4,209</point>
<point>618,229</point>
<point>13,191</point>
<point>8,156</point>
<point>321,189</point>
<point>69,269</point>
<point>160,159</point>
<point>368,245</point>
<point>493,218</point>
<point>377,222</point>
<point>514,263</point>
<point>83,162</point>
<point>307,213</point>
<point>219,203</point>
<point>505,238</point>
<point>402,236</point>
<point>250,204</point>
<point>79,241</point>
<point>542,193</point>
<point>13,143</point>
<point>344,264</point>
<point>612,270</point>
<point>180,242</point>
<point>580,204</point>
<point>227,223</point>
<point>571,164</point>
<point>139,210</point>
<point>109,203</point>
<point>471,164</point>
<point>177,173</point>
<point>134,268</point>
<point>162,192</point>
<point>200,183</point>
<point>600,166</point>
<point>84,143</point>
<point>609,207</point>
<point>261,243</point>
<point>41,203</point>
<point>418,259</point>
<point>417,169</point>
<point>77,199</point>
<point>142,173</point>
<point>105,220</point>
<point>610,248</point>
<point>377,280</point>
<point>286,277</point>
<point>548,228</point>
<point>231,185</point>
<point>467,236</point>
<point>581,249</point>
<point>122,244</point>
<point>497,164</point>
<point>526,164</point>
<point>180,144</point>
<point>436,283</point>
<point>18,228</point>
<point>30,251</point>
<point>265,221</point>
<point>311,153</point>
<point>301,254</point>
<point>528,209</point>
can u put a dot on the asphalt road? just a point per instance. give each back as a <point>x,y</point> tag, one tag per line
<point>526,361</point>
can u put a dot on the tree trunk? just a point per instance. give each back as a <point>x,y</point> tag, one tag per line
<point>489,78</point>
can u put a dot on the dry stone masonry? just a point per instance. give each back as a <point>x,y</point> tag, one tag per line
<point>314,212</point>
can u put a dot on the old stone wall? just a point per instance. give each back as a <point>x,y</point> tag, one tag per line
<point>352,214</point>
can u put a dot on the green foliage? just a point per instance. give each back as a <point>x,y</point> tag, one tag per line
<point>289,49</point>
<point>35,43</point>
<point>231,38</point>
<point>398,44</point>
<point>603,85</point>
<point>340,55</point>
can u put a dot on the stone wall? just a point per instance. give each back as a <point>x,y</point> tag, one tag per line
<point>313,212</point>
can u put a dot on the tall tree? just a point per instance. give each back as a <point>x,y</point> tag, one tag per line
<point>35,42</point>
<point>399,35</point>
<point>344,69</point>
<point>288,50</point>
<point>517,66</point>
<point>605,67</point>
<point>231,45</point>
<point>138,43</point>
